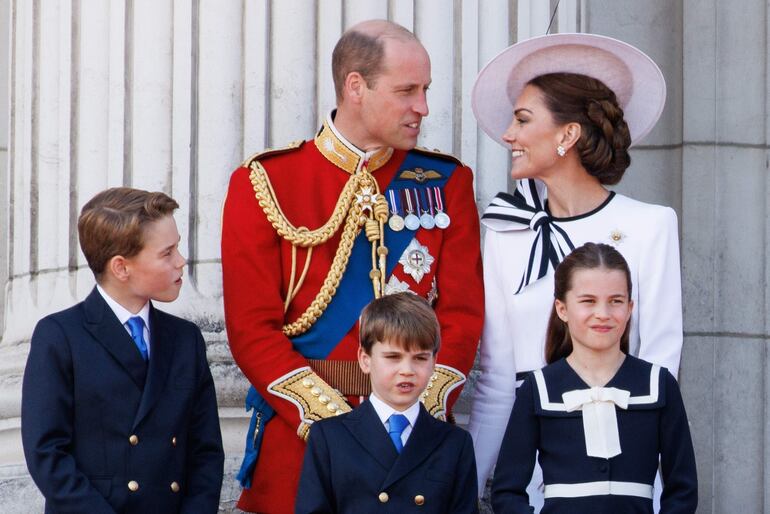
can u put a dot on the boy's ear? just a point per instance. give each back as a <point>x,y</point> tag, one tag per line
<point>117,267</point>
<point>364,360</point>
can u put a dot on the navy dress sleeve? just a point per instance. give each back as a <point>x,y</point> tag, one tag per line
<point>315,494</point>
<point>677,458</point>
<point>516,459</point>
<point>465,497</point>
<point>47,406</point>
<point>205,460</point>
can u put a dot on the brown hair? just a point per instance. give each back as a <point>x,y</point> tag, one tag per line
<point>404,319</point>
<point>361,49</point>
<point>558,343</point>
<point>604,139</point>
<point>112,223</point>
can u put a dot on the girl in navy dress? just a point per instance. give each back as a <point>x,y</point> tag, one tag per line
<point>599,420</point>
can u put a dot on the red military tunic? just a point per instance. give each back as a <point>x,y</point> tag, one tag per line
<point>257,269</point>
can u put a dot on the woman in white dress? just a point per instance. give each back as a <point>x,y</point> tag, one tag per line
<point>568,107</point>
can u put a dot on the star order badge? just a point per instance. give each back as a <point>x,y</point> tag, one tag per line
<point>416,260</point>
<point>366,199</point>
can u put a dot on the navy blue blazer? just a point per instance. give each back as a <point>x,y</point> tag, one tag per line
<point>653,425</point>
<point>103,431</point>
<point>351,466</point>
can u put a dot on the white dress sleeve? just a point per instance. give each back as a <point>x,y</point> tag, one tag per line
<point>495,389</point>
<point>660,295</point>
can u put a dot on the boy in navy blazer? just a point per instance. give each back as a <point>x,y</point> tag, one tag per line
<point>119,412</point>
<point>389,454</point>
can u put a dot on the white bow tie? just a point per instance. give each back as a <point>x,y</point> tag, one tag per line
<point>600,422</point>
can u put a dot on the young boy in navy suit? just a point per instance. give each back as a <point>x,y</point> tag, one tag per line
<point>390,454</point>
<point>119,412</point>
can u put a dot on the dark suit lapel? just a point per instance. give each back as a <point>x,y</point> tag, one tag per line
<point>366,427</point>
<point>161,352</point>
<point>426,435</point>
<point>102,323</point>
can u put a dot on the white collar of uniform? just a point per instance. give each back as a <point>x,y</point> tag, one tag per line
<point>384,410</point>
<point>122,313</point>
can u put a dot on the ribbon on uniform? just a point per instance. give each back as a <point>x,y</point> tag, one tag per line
<point>600,421</point>
<point>525,209</point>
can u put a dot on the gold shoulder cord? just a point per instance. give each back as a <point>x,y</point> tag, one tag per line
<point>360,205</point>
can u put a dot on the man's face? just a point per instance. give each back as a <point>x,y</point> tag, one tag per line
<point>393,106</point>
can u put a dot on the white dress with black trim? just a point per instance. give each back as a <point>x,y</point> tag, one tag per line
<point>517,252</point>
<point>651,422</point>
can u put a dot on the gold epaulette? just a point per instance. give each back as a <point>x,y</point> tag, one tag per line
<point>267,152</point>
<point>438,153</point>
<point>443,381</point>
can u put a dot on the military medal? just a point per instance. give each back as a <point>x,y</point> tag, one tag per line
<point>411,221</point>
<point>442,218</point>
<point>395,222</point>
<point>416,260</point>
<point>426,220</point>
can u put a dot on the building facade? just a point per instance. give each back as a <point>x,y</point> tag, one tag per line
<point>171,95</point>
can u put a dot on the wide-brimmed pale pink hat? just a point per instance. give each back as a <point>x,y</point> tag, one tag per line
<point>635,79</point>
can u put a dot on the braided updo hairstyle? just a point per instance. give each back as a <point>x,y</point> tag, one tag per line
<point>604,140</point>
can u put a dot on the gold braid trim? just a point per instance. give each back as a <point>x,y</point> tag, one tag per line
<point>330,284</point>
<point>345,210</point>
<point>301,236</point>
<point>312,395</point>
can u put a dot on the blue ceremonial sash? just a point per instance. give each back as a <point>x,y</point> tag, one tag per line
<point>350,299</point>
<point>346,305</point>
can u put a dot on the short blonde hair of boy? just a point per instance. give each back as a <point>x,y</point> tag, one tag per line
<point>112,223</point>
<point>403,319</point>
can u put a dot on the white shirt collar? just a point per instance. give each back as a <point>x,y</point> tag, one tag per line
<point>384,410</point>
<point>122,313</point>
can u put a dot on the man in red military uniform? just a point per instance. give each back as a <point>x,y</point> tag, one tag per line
<point>314,231</point>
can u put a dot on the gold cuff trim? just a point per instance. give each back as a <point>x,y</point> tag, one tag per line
<point>314,398</point>
<point>443,381</point>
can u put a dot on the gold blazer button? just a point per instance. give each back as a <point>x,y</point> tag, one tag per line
<point>133,486</point>
<point>133,439</point>
<point>384,497</point>
<point>175,487</point>
<point>419,499</point>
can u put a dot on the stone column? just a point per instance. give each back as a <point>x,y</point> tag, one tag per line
<point>725,221</point>
<point>140,93</point>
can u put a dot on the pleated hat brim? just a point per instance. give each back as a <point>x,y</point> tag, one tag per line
<point>635,78</point>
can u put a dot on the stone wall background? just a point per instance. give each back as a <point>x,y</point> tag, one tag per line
<point>173,94</point>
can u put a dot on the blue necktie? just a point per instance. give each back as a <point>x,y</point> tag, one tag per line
<point>136,326</point>
<point>396,425</point>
